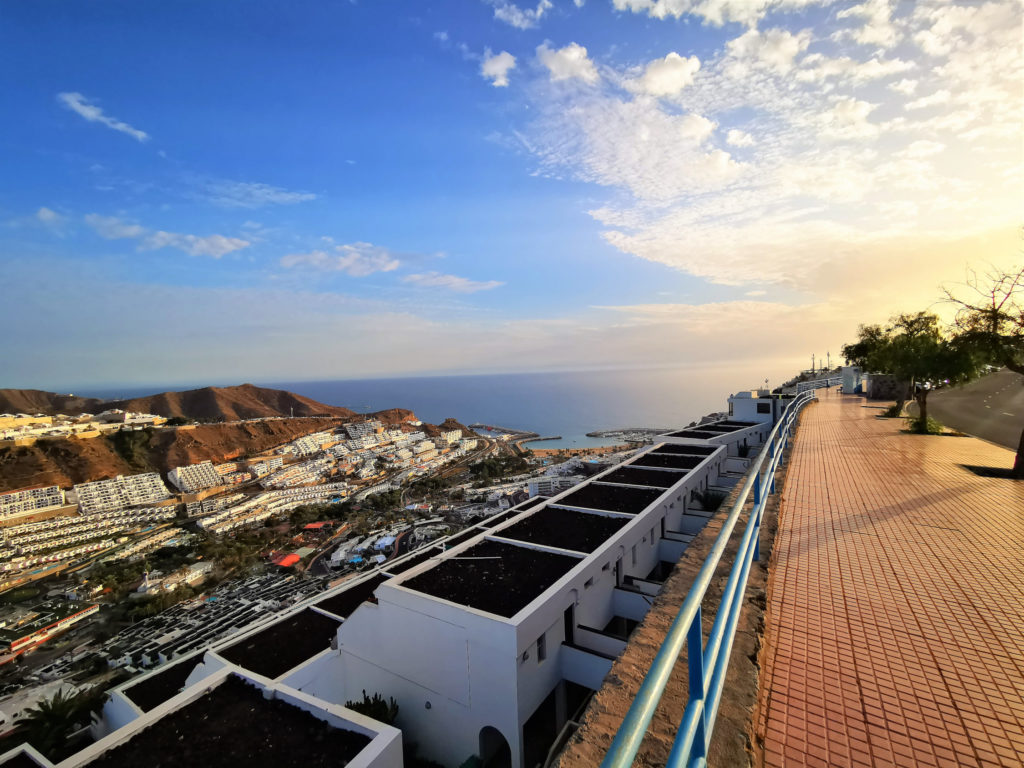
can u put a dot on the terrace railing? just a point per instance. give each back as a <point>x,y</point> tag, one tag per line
<point>707,663</point>
<point>805,386</point>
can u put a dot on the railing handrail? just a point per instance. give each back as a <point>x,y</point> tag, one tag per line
<point>686,627</point>
<point>830,381</point>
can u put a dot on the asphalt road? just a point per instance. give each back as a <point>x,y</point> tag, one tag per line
<point>991,408</point>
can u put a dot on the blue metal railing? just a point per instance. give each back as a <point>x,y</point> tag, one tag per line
<point>707,663</point>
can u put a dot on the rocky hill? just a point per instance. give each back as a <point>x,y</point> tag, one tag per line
<point>245,401</point>
<point>65,462</point>
<point>35,401</point>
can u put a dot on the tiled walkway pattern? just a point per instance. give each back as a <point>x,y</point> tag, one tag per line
<point>895,626</point>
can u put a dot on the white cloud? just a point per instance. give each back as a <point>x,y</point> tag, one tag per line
<point>773,49</point>
<point>244,194</point>
<point>80,105</point>
<point>931,100</point>
<point>520,18</point>
<point>878,28</point>
<point>49,217</point>
<point>354,259</point>
<point>906,87</point>
<point>667,76</point>
<point>816,68</point>
<point>756,293</point>
<point>739,138</point>
<point>848,119</point>
<point>441,37</point>
<point>450,282</point>
<point>716,12</point>
<point>924,148</point>
<point>113,228</point>
<point>568,62</point>
<point>211,245</point>
<point>495,67</point>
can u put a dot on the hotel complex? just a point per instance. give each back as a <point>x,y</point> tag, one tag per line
<point>489,641</point>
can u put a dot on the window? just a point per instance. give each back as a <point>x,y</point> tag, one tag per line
<point>542,648</point>
<point>652,537</point>
<point>606,566</point>
<point>588,583</point>
<point>764,407</point>
<point>634,554</point>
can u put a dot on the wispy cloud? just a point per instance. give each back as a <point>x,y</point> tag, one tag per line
<point>450,282</point>
<point>81,105</point>
<point>114,228</point>
<point>245,194</point>
<point>520,18</point>
<point>354,259</point>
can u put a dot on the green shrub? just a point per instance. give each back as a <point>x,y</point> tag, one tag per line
<point>893,411</point>
<point>932,427</point>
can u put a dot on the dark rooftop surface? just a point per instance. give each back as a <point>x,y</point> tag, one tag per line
<point>657,478</point>
<point>20,760</point>
<point>158,688</point>
<point>234,725</point>
<point>667,460</point>
<point>738,424</point>
<point>344,603</point>
<point>284,645</point>
<point>503,581</point>
<point>687,450</point>
<point>611,498</point>
<point>423,555</point>
<point>564,528</point>
<point>692,433</point>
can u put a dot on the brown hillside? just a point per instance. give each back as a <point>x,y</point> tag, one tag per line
<point>433,430</point>
<point>66,462</point>
<point>33,401</point>
<point>229,403</point>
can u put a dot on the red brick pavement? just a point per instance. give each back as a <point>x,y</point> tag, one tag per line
<point>895,625</point>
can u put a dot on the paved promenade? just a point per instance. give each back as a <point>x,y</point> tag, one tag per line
<point>895,625</point>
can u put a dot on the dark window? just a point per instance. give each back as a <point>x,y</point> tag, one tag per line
<point>764,407</point>
<point>542,648</point>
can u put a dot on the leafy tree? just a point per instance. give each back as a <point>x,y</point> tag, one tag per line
<point>990,319</point>
<point>913,348</point>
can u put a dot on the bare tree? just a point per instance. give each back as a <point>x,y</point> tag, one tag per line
<point>990,318</point>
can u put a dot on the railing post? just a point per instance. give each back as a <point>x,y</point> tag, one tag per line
<point>771,458</point>
<point>695,667</point>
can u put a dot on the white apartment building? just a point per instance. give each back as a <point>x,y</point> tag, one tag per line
<point>492,641</point>
<point>30,501</point>
<point>122,491</point>
<point>550,485</point>
<point>358,429</point>
<point>195,477</point>
<point>447,437</point>
<point>467,443</point>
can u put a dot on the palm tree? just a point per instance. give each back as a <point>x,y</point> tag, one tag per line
<point>48,725</point>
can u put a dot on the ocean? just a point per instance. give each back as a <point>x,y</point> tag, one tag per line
<point>551,404</point>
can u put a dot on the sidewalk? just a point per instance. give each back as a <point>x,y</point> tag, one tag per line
<point>895,625</point>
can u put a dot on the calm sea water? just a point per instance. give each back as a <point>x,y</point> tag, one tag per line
<point>565,404</point>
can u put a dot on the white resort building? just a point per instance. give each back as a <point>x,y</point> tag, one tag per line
<point>489,640</point>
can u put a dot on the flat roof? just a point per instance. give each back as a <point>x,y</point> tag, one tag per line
<point>163,685</point>
<point>345,602</point>
<point>283,645</point>
<point>261,733</point>
<point>493,576</point>
<point>655,478</point>
<point>667,460</point>
<point>687,450</point>
<point>693,433</point>
<point>611,498</point>
<point>565,529</point>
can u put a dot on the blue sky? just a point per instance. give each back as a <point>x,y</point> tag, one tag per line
<point>227,191</point>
